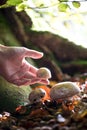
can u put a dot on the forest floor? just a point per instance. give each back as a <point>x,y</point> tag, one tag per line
<point>50,115</point>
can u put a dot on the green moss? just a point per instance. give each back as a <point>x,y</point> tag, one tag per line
<point>12,96</point>
<point>80,62</point>
<point>77,62</point>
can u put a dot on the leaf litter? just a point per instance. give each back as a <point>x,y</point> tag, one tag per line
<point>48,114</point>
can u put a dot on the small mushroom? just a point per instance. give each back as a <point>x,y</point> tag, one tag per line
<point>44,73</point>
<point>64,90</point>
<point>36,95</point>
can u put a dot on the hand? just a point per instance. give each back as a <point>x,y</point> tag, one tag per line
<point>14,67</point>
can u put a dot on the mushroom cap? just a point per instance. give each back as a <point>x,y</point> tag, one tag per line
<point>44,73</point>
<point>36,95</point>
<point>64,90</point>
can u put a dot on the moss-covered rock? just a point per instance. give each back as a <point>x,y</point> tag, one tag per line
<point>12,96</point>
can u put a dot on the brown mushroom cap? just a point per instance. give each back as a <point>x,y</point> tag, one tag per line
<point>36,95</point>
<point>44,73</point>
<point>64,90</point>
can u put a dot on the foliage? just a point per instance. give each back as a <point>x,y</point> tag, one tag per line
<point>7,3</point>
<point>63,5</point>
<point>13,2</point>
<point>76,4</point>
<point>57,16</point>
<point>62,17</point>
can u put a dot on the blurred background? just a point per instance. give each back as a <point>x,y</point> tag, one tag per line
<point>58,28</point>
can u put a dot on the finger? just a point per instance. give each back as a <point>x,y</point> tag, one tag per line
<point>33,81</point>
<point>28,67</point>
<point>19,82</point>
<point>46,82</point>
<point>25,70</point>
<point>28,75</point>
<point>25,81</point>
<point>37,80</point>
<point>32,54</point>
<point>33,69</point>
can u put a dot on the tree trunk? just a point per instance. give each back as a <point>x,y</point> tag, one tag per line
<point>59,53</point>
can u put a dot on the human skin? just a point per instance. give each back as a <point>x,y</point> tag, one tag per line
<point>14,67</point>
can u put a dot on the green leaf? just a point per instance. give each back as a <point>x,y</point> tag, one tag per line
<point>76,4</point>
<point>63,7</point>
<point>20,7</point>
<point>41,5</point>
<point>14,2</point>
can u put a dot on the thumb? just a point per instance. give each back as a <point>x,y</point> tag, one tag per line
<point>32,53</point>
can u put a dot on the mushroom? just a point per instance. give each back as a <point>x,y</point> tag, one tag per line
<point>64,90</point>
<point>36,95</point>
<point>44,73</point>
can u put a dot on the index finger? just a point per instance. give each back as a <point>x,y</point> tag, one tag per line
<point>32,54</point>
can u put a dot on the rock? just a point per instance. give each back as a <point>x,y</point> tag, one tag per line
<point>64,90</point>
<point>44,73</point>
<point>11,96</point>
<point>36,95</point>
